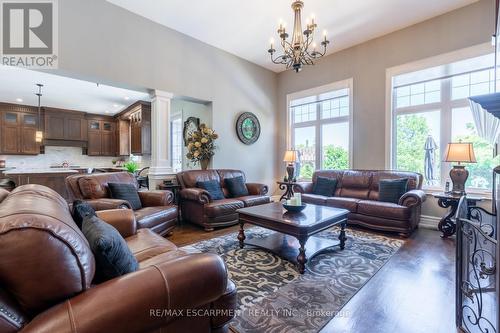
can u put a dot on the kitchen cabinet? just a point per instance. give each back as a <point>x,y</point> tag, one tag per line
<point>139,117</point>
<point>101,137</point>
<point>53,179</point>
<point>123,137</point>
<point>65,125</point>
<point>18,126</point>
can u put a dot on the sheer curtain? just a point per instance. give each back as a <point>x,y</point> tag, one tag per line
<point>487,125</point>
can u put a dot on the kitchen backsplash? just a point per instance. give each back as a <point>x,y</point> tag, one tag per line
<point>58,155</point>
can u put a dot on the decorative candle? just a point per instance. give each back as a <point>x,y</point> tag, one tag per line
<point>298,198</point>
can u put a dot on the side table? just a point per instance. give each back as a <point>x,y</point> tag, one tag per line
<point>175,191</point>
<point>288,188</point>
<point>447,224</point>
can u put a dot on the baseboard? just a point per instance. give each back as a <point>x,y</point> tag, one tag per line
<point>429,222</point>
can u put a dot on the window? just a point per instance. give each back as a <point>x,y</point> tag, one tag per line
<point>177,143</point>
<point>427,115</point>
<point>320,128</point>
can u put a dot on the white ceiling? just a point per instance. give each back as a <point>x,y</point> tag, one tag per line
<point>244,27</point>
<point>17,85</point>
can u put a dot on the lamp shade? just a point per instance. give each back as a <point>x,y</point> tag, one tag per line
<point>460,152</point>
<point>290,156</point>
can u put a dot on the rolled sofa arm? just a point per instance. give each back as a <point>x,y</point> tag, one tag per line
<point>195,194</point>
<point>156,198</point>
<point>412,198</point>
<point>257,189</point>
<point>122,219</point>
<point>105,204</point>
<point>303,187</point>
<point>139,301</point>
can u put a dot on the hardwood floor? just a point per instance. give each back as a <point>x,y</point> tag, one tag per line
<point>414,292</point>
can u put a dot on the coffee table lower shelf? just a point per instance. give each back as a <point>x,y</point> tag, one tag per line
<point>287,247</point>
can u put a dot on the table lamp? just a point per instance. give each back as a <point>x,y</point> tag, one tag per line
<point>291,158</point>
<point>461,152</point>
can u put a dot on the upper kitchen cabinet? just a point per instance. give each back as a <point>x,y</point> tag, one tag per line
<point>18,126</point>
<point>64,125</point>
<point>138,115</point>
<point>101,136</point>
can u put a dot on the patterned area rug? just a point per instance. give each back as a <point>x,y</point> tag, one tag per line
<point>274,297</point>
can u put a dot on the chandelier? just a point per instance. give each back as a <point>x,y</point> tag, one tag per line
<point>301,50</point>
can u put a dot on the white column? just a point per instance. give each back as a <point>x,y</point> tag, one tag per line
<point>161,163</point>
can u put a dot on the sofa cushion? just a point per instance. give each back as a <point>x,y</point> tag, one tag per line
<point>313,199</point>
<point>146,244</point>
<point>127,192</point>
<point>213,188</point>
<point>81,210</point>
<point>223,207</point>
<point>350,204</point>
<point>414,180</point>
<point>112,255</point>
<point>390,190</point>
<point>325,186</point>
<point>383,210</point>
<point>149,217</point>
<point>355,184</point>
<point>255,200</point>
<point>236,187</point>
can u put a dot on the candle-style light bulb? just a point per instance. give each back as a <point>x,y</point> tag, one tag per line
<point>324,34</point>
<point>271,41</point>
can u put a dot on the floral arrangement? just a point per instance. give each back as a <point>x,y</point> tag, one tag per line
<point>201,144</point>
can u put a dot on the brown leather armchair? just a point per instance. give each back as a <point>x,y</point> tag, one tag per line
<point>47,268</point>
<point>198,207</point>
<point>358,192</point>
<point>158,213</point>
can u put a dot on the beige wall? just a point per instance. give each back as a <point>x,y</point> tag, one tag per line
<point>104,43</point>
<point>367,64</point>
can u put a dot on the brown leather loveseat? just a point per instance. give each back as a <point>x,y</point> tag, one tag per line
<point>197,206</point>
<point>358,192</point>
<point>157,212</point>
<point>47,270</point>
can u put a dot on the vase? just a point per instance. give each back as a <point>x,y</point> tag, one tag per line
<point>204,164</point>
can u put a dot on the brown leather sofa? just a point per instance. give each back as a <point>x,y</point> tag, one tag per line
<point>197,206</point>
<point>47,267</point>
<point>157,212</point>
<point>358,192</point>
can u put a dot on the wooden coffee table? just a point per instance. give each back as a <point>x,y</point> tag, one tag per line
<point>294,231</point>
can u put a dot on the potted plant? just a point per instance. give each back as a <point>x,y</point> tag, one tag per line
<point>131,166</point>
<point>201,146</point>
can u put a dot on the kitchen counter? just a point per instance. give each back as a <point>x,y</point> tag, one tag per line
<point>39,171</point>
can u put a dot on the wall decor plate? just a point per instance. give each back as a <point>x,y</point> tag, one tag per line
<point>248,128</point>
<point>191,125</point>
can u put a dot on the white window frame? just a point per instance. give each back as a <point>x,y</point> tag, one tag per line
<point>177,116</point>
<point>444,107</point>
<point>344,84</point>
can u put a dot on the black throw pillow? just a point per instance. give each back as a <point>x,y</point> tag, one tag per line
<point>236,187</point>
<point>81,210</point>
<point>325,186</point>
<point>112,255</point>
<point>213,188</point>
<point>391,190</point>
<point>127,192</point>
